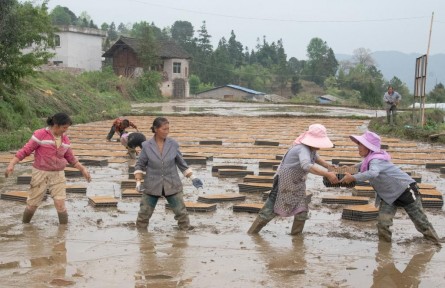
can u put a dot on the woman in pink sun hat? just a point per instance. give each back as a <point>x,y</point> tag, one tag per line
<point>394,188</point>
<point>288,195</point>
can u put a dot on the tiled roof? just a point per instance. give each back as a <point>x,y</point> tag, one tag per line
<point>166,48</point>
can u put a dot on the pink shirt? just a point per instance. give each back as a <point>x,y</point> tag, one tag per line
<point>47,156</point>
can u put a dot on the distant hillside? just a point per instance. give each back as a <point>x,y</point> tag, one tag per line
<point>401,65</point>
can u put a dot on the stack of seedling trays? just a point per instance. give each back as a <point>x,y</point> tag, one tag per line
<point>20,196</point>
<point>268,163</point>
<point>94,162</point>
<point>363,191</point>
<point>196,207</point>
<point>349,200</point>
<point>432,203</point>
<point>431,198</point>
<point>248,207</point>
<point>215,198</point>
<point>24,179</point>
<point>254,187</point>
<point>340,172</point>
<point>131,193</point>
<point>72,172</point>
<point>199,160</point>
<point>129,184</point>
<point>360,212</point>
<point>434,165</point>
<point>266,143</point>
<point>258,179</point>
<point>210,142</point>
<point>267,173</point>
<point>76,189</point>
<point>215,168</point>
<point>424,186</point>
<point>102,201</point>
<point>233,173</point>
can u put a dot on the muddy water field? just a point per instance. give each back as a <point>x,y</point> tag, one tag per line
<point>100,247</point>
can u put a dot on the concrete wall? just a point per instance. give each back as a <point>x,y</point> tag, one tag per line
<point>79,48</point>
<point>169,76</point>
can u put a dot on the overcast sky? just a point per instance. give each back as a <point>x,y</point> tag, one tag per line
<point>378,25</point>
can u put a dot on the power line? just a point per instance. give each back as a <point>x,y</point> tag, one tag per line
<point>282,20</point>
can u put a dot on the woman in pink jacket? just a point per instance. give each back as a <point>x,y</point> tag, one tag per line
<point>52,152</point>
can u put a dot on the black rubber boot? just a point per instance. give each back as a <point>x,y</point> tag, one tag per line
<point>63,217</point>
<point>27,215</point>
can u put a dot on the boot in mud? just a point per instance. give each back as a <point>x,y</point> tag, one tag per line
<point>27,215</point>
<point>257,225</point>
<point>63,217</point>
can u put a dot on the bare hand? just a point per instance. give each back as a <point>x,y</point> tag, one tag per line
<point>332,177</point>
<point>348,178</point>
<point>9,170</point>
<point>86,174</point>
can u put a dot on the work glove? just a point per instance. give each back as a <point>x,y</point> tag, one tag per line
<point>138,186</point>
<point>197,183</point>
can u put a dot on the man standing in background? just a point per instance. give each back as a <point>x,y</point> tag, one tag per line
<point>392,99</point>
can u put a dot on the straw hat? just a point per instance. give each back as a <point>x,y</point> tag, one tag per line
<point>369,139</point>
<point>316,137</point>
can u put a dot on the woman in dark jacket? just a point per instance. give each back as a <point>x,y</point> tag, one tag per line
<point>160,159</point>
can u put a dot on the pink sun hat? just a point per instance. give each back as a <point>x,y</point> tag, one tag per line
<point>316,137</point>
<point>369,139</point>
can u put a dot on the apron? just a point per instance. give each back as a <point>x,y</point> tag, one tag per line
<point>291,198</point>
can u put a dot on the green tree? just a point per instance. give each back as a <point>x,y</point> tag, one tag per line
<point>221,64</point>
<point>194,82</point>
<point>112,33</point>
<point>321,61</point>
<point>20,25</point>
<point>62,16</point>
<point>122,29</point>
<point>235,50</point>
<point>147,45</point>
<point>437,95</point>
<point>182,32</point>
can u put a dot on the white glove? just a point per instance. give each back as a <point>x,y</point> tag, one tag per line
<point>138,186</point>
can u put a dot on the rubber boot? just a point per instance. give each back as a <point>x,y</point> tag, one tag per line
<point>384,233</point>
<point>257,225</point>
<point>297,227</point>
<point>144,217</point>
<point>63,217</point>
<point>431,235</point>
<point>27,215</point>
<point>183,220</point>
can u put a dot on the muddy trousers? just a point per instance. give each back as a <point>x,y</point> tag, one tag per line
<point>415,213</point>
<point>267,213</point>
<point>176,202</point>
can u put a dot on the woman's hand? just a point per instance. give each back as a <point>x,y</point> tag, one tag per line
<point>348,178</point>
<point>332,177</point>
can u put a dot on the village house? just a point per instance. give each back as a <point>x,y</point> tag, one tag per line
<point>232,92</point>
<point>174,65</point>
<point>78,47</point>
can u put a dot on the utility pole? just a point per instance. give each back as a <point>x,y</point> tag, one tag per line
<point>422,104</point>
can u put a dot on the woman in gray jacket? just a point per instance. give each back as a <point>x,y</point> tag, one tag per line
<point>160,159</point>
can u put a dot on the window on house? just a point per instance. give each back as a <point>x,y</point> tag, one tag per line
<point>176,67</point>
<point>57,40</point>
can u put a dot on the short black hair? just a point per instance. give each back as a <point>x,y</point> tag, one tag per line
<point>59,119</point>
<point>158,122</point>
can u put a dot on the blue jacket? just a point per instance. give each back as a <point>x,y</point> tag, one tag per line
<point>161,171</point>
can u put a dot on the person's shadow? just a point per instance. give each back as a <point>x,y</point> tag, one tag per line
<point>283,262</point>
<point>387,275</point>
<point>161,263</point>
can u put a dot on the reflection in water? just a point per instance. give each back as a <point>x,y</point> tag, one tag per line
<point>161,265</point>
<point>40,245</point>
<point>387,275</point>
<point>283,262</point>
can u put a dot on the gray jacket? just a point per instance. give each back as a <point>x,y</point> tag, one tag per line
<point>161,170</point>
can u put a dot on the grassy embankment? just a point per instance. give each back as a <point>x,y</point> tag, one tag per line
<point>405,129</point>
<point>90,96</point>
